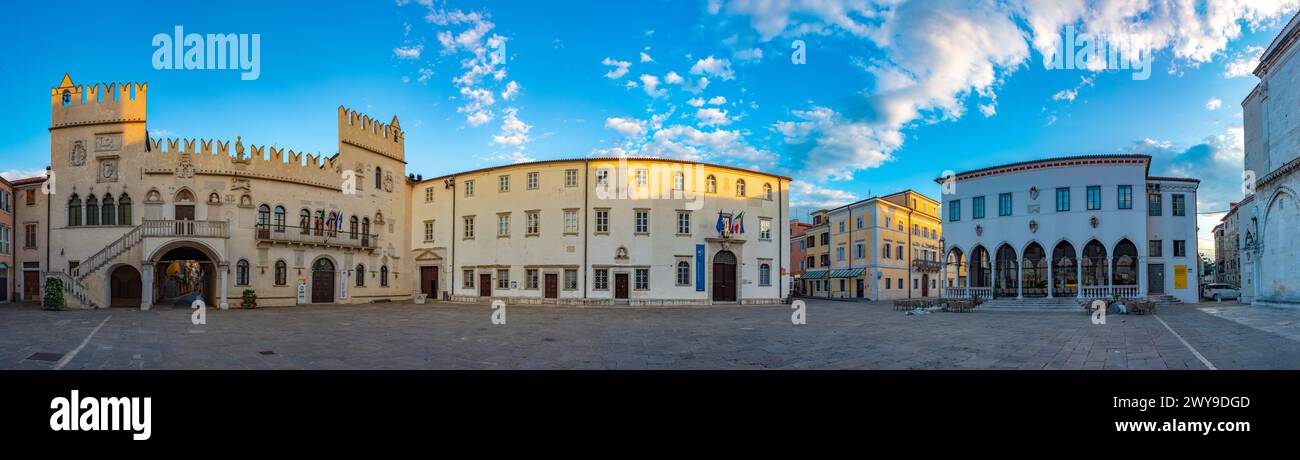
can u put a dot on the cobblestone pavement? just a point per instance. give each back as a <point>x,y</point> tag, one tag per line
<point>838,335</point>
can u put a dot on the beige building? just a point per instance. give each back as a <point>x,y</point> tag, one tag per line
<point>880,248</point>
<point>126,220</point>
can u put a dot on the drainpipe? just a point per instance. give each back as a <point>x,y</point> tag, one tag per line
<point>586,191</point>
<point>910,258</point>
<point>451,287</point>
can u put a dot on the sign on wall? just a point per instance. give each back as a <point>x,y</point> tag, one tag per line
<point>1180,277</point>
<point>699,267</point>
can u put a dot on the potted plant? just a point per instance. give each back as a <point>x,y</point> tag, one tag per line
<point>250,298</point>
<point>53,299</point>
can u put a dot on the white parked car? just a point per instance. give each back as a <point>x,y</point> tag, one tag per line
<point>1220,291</point>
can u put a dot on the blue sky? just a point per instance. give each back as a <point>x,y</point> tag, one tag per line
<point>892,92</point>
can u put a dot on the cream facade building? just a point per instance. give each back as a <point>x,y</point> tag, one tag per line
<point>122,219</point>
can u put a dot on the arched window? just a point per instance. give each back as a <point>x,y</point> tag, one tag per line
<point>365,231</point>
<point>379,179</point>
<point>683,273</point>
<point>352,227</point>
<point>764,275</point>
<point>361,275</point>
<point>67,98</point>
<point>279,219</point>
<point>92,210</point>
<point>263,217</point>
<point>241,273</point>
<point>711,184</point>
<point>679,181</point>
<point>74,211</point>
<point>383,276</point>
<point>740,187</point>
<point>767,191</point>
<point>108,211</point>
<point>304,221</point>
<point>124,210</point>
<point>281,273</point>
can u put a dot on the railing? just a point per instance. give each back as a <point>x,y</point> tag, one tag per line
<point>72,287</point>
<point>955,292</point>
<point>108,253</point>
<point>193,228</point>
<point>982,292</point>
<point>1126,291</point>
<point>315,236</point>
<point>1094,292</point>
<point>931,266</point>
<point>1106,292</point>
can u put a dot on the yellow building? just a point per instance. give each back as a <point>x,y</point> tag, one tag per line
<point>880,248</point>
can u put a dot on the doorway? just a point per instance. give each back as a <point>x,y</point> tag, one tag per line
<point>862,286</point>
<point>620,285</point>
<point>724,277</point>
<point>31,285</point>
<point>925,285</point>
<point>485,285</point>
<point>322,281</point>
<point>429,281</point>
<point>552,286</point>
<point>1156,278</point>
<point>124,287</point>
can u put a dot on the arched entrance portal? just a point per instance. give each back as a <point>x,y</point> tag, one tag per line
<point>1033,272</point>
<point>724,277</point>
<point>182,275</point>
<point>1065,271</point>
<point>981,273</point>
<point>1007,282</point>
<point>124,287</point>
<point>322,281</point>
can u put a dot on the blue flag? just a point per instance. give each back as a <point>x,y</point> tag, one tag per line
<point>720,225</point>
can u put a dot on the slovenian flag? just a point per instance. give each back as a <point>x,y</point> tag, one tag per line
<point>721,226</point>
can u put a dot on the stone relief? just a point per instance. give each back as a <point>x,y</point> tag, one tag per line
<point>388,181</point>
<point>78,153</point>
<point>185,168</point>
<point>108,142</point>
<point>108,170</point>
<point>241,184</point>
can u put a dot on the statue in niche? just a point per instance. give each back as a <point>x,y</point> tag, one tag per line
<point>185,169</point>
<point>388,181</point>
<point>78,153</point>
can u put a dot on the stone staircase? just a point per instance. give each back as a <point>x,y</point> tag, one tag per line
<point>75,293</point>
<point>109,253</point>
<point>1058,304</point>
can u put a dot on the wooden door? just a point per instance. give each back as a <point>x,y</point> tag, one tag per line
<point>429,281</point>
<point>1156,278</point>
<point>184,212</point>
<point>552,286</point>
<point>31,285</point>
<point>620,285</point>
<point>724,277</point>
<point>925,285</point>
<point>322,281</point>
<point>485,285</point>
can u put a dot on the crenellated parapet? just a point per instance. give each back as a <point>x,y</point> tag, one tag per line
<point>79,105</point>
<point>369,134</point>
<point>186,158</point>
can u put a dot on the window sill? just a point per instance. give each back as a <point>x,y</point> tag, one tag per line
<point>600,233</point>
<point>532,235</point>
<point>640,233</point>
<point>684,234</point>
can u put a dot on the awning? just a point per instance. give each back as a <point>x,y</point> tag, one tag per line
<point>813,275</point>
<point>850,273</point>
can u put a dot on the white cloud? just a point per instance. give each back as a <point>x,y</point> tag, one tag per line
<point>1244,63</point>
<point>712,116</point>
<point>15,174</point>
<point>695,102</point>
<point>1213,104</point>
<point>484,60</point>
<point>629,127</point>
<point>834,147</point>
<point>720,68</point>
<point>514,131</point>
<point>646,57</point>
<point>751,54</point>
<point>673,78</point>
<point>619,68</point>
<point>988,110</point>
<point>1069,95</point>
<point>718,100</point>
<point>651,85</point>
<point>809,196</point>
<point>511,91</point>
<point>408,52</point>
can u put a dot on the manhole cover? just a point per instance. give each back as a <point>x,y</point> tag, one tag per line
<point>44,356</point>
<point>266,353</point>
<point>548,339</point>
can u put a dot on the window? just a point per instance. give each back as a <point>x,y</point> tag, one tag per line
<point>764,229</point>
<point>859,222</point>
<point>570,222</point>
<point>469,188</point>
<point>1094,197</point>
<point>530,278</point>
<point>1125,197</point>
<point>74,211</point>
<point>379,179</point>
<point>916,229</point>
<point>642,279</point>
<point>570,279</point>
<point>29,237</point>
<point>841,226</point>
<point>679,181</point>
<point>108,211</point>
<point>428,231</point>
<point>533,219</point>
<point>683,223</point>
<point>642,177</point>
<point>503,279</point>
<point>5,236</point>
<point>304,221</point>
<point>976,208</point>
<point>428,194</point>
<point>826,239</point>
<point>767,191</point>
<point>602,221</point>
<point>503,225</point>
<point>503,184</point>
<point>1004,204</point>
<point>898,253</point>
<point>764,275</point>
<point>642,221</point>
<point>601,281</point>
<point>1155,247</point>
<point>839,253</point>
<point>383,275</point>
<point>469,227</point>
<point>859,251</point>
<point>888,282</point>
<point>889,222</point>
<point>683,273</point>
<point>241,273</point>
<point>278,218</point>
<point>1062,199</point>
<point>67,98</point>
<point>263,217</point>
<point>1179,204</point>
<point>1180,248</point>
<point>570,178</point>
<point>361,275</point>
<point>532,181</point>
<point>954,211</point>
<point>602,177</point>
<point>884,251</point>
<point>31,197</point>
<point>281,273</point>
<point>92,210</point>
<point>1155,205</point>
<point>711,184</point>
<point>740,187</point>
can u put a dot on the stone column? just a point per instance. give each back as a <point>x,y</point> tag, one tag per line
<point>1078,276</point>
<point>943,287</point>
<point>1142,276</point>
<point>146,286</point>
<point>1020,280</point>
<point>1051,280</point>
<point>1110,276</point>
<point>223,269</point>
